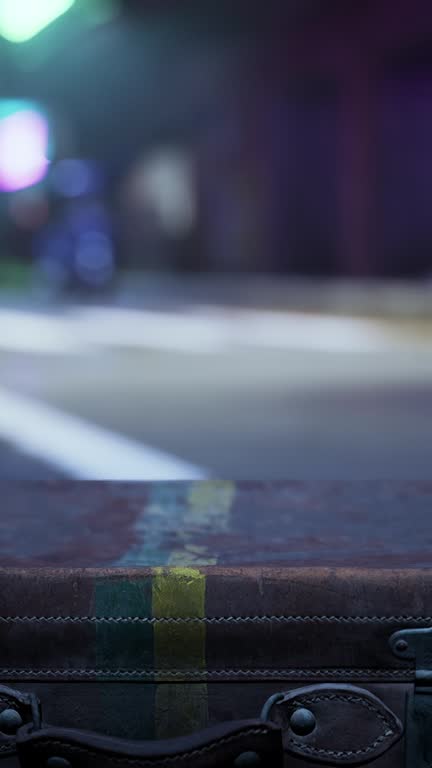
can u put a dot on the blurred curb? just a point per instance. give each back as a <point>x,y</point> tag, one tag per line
<point>399,299</point>
<point>381,298</point>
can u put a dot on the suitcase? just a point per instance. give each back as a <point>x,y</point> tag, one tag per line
<point>215,624</point>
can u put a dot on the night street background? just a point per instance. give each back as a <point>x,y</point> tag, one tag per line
<point>233,391</point>
<point>215,239</point>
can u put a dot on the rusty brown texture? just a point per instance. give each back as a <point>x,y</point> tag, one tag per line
<point>96,524</point>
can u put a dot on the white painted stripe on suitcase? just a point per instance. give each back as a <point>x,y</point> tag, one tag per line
<point>81,449</point>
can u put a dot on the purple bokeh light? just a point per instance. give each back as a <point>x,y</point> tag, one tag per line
<point>23,149</point>
<point>73,177</point>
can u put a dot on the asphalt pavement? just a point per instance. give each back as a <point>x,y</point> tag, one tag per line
<point>106,392</point>
<point>19,467</point>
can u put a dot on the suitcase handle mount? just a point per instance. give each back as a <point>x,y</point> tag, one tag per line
<point>325,724</point>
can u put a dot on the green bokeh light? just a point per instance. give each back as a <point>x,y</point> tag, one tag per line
<point>20,20</point>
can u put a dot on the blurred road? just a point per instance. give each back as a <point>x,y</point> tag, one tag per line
<point>204,391</point>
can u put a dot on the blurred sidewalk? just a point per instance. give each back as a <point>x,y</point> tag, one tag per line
<point>391,298</point>
<point>399,299</point>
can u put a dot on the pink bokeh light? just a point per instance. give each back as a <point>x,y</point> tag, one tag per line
<point>23,150</point>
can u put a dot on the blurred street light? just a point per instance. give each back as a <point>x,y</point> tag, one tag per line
<point>74,177</point>
<point>20,20</point>
<point>24,144</point>
<point>165,180</point>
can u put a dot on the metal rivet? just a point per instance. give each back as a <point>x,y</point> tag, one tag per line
<point>247,760</point>
<point>401,646</point>
<point>302,722</point>
<point>58,762</point>
<point>10,721</point>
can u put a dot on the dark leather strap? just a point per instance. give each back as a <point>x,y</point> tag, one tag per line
<point>241,743</point>
<point>326,724</point>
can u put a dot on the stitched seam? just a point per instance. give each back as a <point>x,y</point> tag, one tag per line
<point>330,672</point>
<point>158,761</point>
<point>213,619</point>
<point>350,698</point>
<point>337,753</point>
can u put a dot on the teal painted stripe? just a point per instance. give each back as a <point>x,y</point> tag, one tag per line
<point>133,645</point>
<point>162,513</point>
<point>175,522</point>
<point>126,646</point>
<point>170,531</point>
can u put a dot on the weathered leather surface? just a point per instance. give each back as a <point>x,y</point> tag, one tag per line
<point>246,590</point>
<point>248,624</point>
<point>139,674</point>
<point>127,711</point>
<point>72,524</point>
<point>353,726</point>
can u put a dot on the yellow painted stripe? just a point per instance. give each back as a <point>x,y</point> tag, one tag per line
<point>208,511</point>
<point>180,708</point>
<point>179,591</point>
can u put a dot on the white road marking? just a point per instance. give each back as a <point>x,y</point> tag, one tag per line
<point>203,330</point>
<point>39,333</point>
<point>141,329</point>
<point>211,330</point>
<point>295,330</point>
<point>83,450</point>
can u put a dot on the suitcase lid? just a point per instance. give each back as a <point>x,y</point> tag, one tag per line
<point>104,525</point>
<point>212,581</point>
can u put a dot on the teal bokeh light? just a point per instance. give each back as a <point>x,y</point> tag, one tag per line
<point>20,20</point>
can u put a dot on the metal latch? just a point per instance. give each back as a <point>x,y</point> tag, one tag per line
<point>416,645</point>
